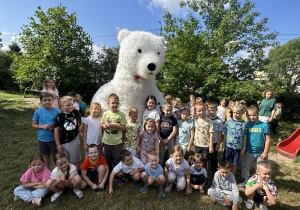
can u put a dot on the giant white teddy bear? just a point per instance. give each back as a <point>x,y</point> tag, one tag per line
<point>141,56</point>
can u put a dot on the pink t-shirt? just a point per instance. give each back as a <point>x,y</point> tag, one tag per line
<point>29,175</point>
<point>55,96</point>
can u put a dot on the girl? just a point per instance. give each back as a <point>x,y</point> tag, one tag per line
<point>150,112</point>
<point>133,128</point>
<point>185,134</point>
<point>228,111</point>
<point>82,105</point>
<point>177,169</point>
<point>64,175</point>
<point>198,172</point>
<point>49,86</point>
<point>148,140</point>
<point>33,182</point>
<point>267,106</point>
<point>92,128</point>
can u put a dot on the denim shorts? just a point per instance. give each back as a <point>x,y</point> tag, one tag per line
<point>232,155</point>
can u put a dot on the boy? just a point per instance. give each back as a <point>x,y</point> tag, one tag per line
<point>75,104</point>
<point>113,123</point>
<point>176,110</point>
<point>221,110</point>
<point>192,101</point>
<point>128,167</point>
<point>168,129</point>
<point>82,105</point>
<point>260,188</point>
<point>94,165</point>
<point>153,174</point>
<point>67,127</point>
<point>274,123</point>
<point>258,143</point>
<point>224,189</point>
<point>203,130</point>
<point>218,126</point>
<point>43,120</point>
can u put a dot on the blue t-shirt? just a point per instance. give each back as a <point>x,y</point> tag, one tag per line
<point>45,117</point>
<point>236,131</point>
<point>158,171</point>
<point>256,137</point>
<point>195,172</point>
<point>218,126</point>
<point>184,132</point>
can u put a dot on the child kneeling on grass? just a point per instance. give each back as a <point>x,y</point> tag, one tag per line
<point>260,188</point>
<point>153,174</point>
<point>128,167</point>
<point>94,165</point>
<point>224,189</point>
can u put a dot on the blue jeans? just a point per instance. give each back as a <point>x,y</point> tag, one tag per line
<point>27,194</point>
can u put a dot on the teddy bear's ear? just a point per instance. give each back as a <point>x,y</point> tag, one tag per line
<point>162,39</point>
<point>122,34</point>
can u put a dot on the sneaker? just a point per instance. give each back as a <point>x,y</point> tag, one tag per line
<point>201,191</point>
<point>243,184</point>
<point>120,181</point>
<point>249,204</point>
<point>161,192</point>
<point>37,201</point>
<point>191,189</point>
<point>55,196</point>
<point>78,193</point>
<point>136,184</point>
<point>168,188</point>
<point>16,198</point>
<point>144,189</point>
<point>99,190</point>
<point>263,207</point>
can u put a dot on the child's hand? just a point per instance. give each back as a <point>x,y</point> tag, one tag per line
<point>101,186</point>
<point>217,147</point>
<point>132,172</point>
<point>259,185</point>
<point>227,200</point>
<point>84,146</point>
<point>59,148</point>
<point>110,191</point>
<point>223,147</point>
<point>105,125</point>
<point>264,156</point>
<point>50,127</point>
<point>150,180</point>
<point>242,153</point>
<point>43,126</point>
<point>187,191</point>
<point>265,187</point>
<point>211,150</point>
<point>94,186</point>
<point>138,149</point>
<point>188,149</point>
<point>62,177</point>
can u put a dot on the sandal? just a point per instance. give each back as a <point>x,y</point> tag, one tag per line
<point>55,196</point>
<point>79,193</point>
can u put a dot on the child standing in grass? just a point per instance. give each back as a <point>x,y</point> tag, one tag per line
<point>221,110</point>
<point>267,106</point>
<point>33,182</point>
<point>49,86</point>
<point>43,120</point>
<point>274,123</point>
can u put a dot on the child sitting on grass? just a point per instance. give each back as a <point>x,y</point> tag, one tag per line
<point>198,172</point>
<point>129,167</point>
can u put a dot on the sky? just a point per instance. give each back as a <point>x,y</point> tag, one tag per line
<point>102,19</point>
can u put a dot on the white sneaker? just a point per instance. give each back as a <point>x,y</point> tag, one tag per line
<point>263,207</point>
<point>249,204</point>
<point>16,198</point>
<point>168,188</point>
<point>201,191</point>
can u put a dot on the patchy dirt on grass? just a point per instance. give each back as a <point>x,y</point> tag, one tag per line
<point>32,102</point>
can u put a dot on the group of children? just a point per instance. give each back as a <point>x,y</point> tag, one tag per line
<point>117,150</point>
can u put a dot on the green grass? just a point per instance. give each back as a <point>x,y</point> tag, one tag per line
<point>18,142</point>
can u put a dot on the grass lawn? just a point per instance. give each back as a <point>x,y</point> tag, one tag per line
<point>18,142</point>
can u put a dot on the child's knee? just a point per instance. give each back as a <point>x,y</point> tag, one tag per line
<point>161,180</point>
<point>101,169</point>
<point>144,175</point>
<point>76,180</point>
<point>171,176</point>
<point>137,176</point>
<point>50,183</point>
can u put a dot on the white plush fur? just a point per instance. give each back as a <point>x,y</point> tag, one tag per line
<point>138,49</point>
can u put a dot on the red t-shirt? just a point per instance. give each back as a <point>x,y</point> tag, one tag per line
<point>87,164</point>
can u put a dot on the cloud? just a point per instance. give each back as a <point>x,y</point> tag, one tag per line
<point>5,33</point>
<point>171,5</point>
<point>243,54</point>
<point>15,38</point>
<point>5,47</point>
<point>118,28</point>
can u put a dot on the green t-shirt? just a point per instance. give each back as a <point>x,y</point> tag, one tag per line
<point>113,136</point>
<point>266,107</point>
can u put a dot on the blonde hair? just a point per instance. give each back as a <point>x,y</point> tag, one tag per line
<point>133,110</point>
<point>266,91</point>
<point>65,99</point>
<point>152,154</point>
<point>176,148</point>
<point>95,104</point>
<point>199,105</point>
<point>167,104</point>
<point>213,105</point>
<point>264,164</point>
<point>168,97</point>
<point>113,96</point>
<point>252,109</point>
<point>199,100</point>
<point>48,79</point>
<point>239,106</point>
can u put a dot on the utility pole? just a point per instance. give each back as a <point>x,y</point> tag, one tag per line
<point>160,28</point>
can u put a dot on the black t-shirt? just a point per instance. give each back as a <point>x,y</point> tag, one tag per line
<point>166,126</point>
<point>68,126</point>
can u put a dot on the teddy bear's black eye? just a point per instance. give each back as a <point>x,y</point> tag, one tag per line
<point>158,53</point>
<point>139,50</point>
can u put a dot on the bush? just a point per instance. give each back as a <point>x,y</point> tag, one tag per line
<point>291,104</point>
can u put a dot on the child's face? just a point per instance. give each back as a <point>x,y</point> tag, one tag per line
<point>133,117</point>
<point>192,98</point>
<point>253,116</point>
<point>62,164</point>
<point>264,173</point>
<point>36,166</point>
<point>167,111</point>
<point>237,114</point>
<point>198,164</point>
<point>169,100</point>
<point>67,106</point>
<point>269,95</point>
<point>93,153</point>
<point>177,157</point>
<point>150,104</point>
<point>223,103</point>
<point>128,160</point>
<point>279,106</point>
<point>175,104</point>
<point>78,99</point>
<point>179,102</point>
<point>47,102</point>
<point>95,111</point>
<point>153,161</point>
<point>224,172</point>
<point>185,115</point>
<point>212,112</point>
<point>50,84</point>
<point>200,111</point>
<point>150,126</point>
<point>113,104</point>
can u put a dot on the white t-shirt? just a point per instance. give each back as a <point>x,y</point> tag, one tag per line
<point>93,130</point>
<point>221,112</point>
<point>56,172</point>
<point>126,169</point>
<point>179,170</point>
<point>76,106</point>
<point>195,172</point>
<point>150,114</point>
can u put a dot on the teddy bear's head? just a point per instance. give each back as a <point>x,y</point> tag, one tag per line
<point>141,53</point>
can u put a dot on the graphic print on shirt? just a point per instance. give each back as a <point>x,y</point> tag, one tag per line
<point>115,121</point>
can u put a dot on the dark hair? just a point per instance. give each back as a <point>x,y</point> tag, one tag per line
<point>196,156</point>
<point>72,94</point>
<point>36,157</point>
<point>58,156</point>
<point>91,146</point>
<point>223,164</point>
<point>150,120</point>
<point>124,153</point>
<point>151,98</point>
<point>45,94</point>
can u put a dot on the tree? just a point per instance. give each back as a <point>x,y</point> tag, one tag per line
<point>201,50</point>
<point>54,46</point>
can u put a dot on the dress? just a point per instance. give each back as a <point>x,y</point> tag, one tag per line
<point>55,94</point>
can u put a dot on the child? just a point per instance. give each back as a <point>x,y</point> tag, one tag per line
<point>176,110</point>
<point>82,105</point>
<point>114,123</point>
<point>274,123</point>
<point>168,98</point>
<point>133,128</point>
<point>228,111</point>
<point>179,102</point>
<point>192,101</point>
<point>267,106</point>
<point>245,115</point>
<point>33,182</point>
<point>258,143</point>
<point>199,100</point>
<point>49,86</point>
<point>94,165</point>
<point>147,140</point>
<point>92,128</point>
<point>150,112</point>
<point>204,129</point>
<point>260,188</point>
<point>235,136</point>
<point>224,189</point>
<point>177,169</point>
<point>185,134</point>
<point>43,120</point>
<point>64,175</point>
<point>153,174</point>
<point>198,172</point>
<point>221,109</point>
<point>75,104</point>
<point>67,126</point>
<point>128,167</point>
<point>218,126</point>
<point>168,129</point>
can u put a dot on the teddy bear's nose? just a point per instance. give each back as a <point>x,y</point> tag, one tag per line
<point>151,66</point>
